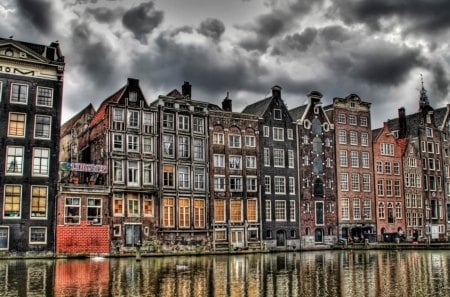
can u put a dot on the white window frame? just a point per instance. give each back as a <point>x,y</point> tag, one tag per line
<point>235,162</point>
<point>252,184</point>
<point>278,134</point>
<point>183,122</point>
<point>37,228</point>
<point>237,185</point>
<point>198,125</point>
<point>184,177</point>
<point>266,131</point>
<point>218,138</point>
<point>44,162</point>
<point>50,98</point>
<point>234,140</point>
<point>118,172</point>
<point>268,206</point>
<point>133,143</point>
<point>16,163</point>
<point>280,185</point>
<point>116,142</point>
<point>278,158</point>
<point>49,125</point>
<point>133,173</point>
<point>267,184</point>
<point>280,211</point>
<point>219,160</point>
<point>19,101</point>
<point>133,119</point>
<point>250,140</point>
<point>147,145</point>
<point>147,173</point>
<point>24,124</point>
<point>219,183</point>
<point>250,162</point>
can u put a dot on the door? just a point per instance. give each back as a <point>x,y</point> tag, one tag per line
<point>132,234</point>
<point>237,238</point>
<point>281,238</point>
<point>318,236</point>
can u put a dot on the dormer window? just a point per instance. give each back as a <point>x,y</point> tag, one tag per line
<point>132,96</point>
<point>277,114</point>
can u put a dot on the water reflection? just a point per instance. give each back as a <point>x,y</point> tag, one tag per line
<point>346,273</point>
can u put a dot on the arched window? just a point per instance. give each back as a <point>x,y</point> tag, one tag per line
<point>316,127</point>
<point>317,145</point>
<point>318,188</point>
<point>390,209</point>
<point>381,210</point>
<point>317,165</point>
<point>398,210</point>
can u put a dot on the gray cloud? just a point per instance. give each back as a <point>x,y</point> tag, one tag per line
<point>212,28</point>
<point>335,33</point>
<point>104,14</point>
<point>38,13</point>
<point>182,29</point>
<point>142,20</point>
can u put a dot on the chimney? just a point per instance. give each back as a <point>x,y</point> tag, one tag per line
<point>402,122</point>
<point>186,90</point>
<point>227,103</point>
<point>315,97</point>
<point>276,91</point>
<point>133,82</point>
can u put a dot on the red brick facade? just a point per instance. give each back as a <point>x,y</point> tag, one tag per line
<point>82,239</point>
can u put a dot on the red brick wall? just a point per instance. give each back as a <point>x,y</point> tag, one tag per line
<point>82,239</point>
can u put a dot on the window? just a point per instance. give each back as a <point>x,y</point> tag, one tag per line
<point>389,188</point>
<point>117,142</point>
<point>133,143</point>
<point>169,175</point>
<point>431,164</point>
<point>168,212</point>
<point>118,204</point>
<point>396,168</point>
<point>280,210</point>
<point>168,120</point>
<point>199,149</point>
<point>199,178</point>
<point>267,185</point>
<point>219,183</point>
<point>292,210</point>
<point>345,209</point>
<point>387,149</point>
<point>354,157</point>
<point>38,202</point>
<point>252,210</point>
<point>38,235</point>
<point>199,213</point>
<point>12,201</point>
<point>168,145</point>
<point>42,127</point>
<point>183,213</point>
<point>183,146</point>
<point>44,97</point>
<point>290,134</point>
<point>250,162</point>
<point>266,131</point>
<point>277,114</point>
<point>318,188</point>
<point>342,137</point>
<point>252,184</point>
<point>118,171</point>
<point>234,141</point>
<point>280,185</point>
<point>429,132</point>
<point>16,124</point>
<point>352,120</point>
<point>430,147</point>
<point>381,214</point>
<point>219,211</point>
<point>363,121</point>
<point>4,235</point>
<point>353,138</point>
<point>379,167</point>
<point>19,93</point>
<point>183,122</point>
<point>41,159</point>
<point>367,209</point>
<point>397,188</point>
<point>220,234</point>
<point>278,134</point>
<point>147,145</point>
<point>278,158</point>
<point>355,182</point>
<point>317,145</point>
<point>147,122</point>
<point>235,183</point>
<point>148,205</point>
<point>132,96</point>
<point>133,173</point>
<point>356,209</point>
<point>199,125</point>
<point>343,162</point>
<point>316,127</point>
<point>344,181</point>
<point>390,209</point>
<point>341,118</point>
<point>366,182</point>
<point>118,119</point>
<point>133,119</point>
<point>219,160</point>
<point>268,210</point>
<point>291,163</point>
<point>291,185</point>
<point>387,167</point>
<point>380,187</point>
<point>72,211</point>
<point>184,177</point>
<point>266,157</point>
<point>317,166</point>
<point>365,159</point>
<point>364,139</point>
<point>14,160</point>
<point>250,141</point>
<point>218,138</point>
<point>235,162</point>
<point>235,210</point>
<point>94,211</point>
<point>148,173</point>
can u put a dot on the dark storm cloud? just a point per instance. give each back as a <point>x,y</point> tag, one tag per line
<point>212,28</point>
<point>36,12</point>
<point>441,80</point>
<point>265,28</point>
<point>142,20</point>
<point>416,15</point>
<point>335,33</point>
<point>104,14</point>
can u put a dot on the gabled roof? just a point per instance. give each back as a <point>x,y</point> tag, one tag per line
<point>258,108</point>
<point>297,113</point>
<point>100,114</point>
<point>38,51</point>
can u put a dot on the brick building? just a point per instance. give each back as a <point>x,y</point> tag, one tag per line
<point>317,173</point>
<point>234,185</point>
<point>278,172</point>
<point>31,84</point>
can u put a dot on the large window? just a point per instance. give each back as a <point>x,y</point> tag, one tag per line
<point>133,143</point>
<point>291,185</point>
<point>94,211</point>
<point>38,235</point>
<point>320,214</point>
<point>354,157</point>
<point>199,125</point>
<point>291,159</point>
<point>41,160</point>
<point>235,183</point>
<point>147,122</point>
<point>169,175</point>
<point>280,210</point>
<point>199,178</point>
<point>148,205</point>
<point>252,184</point>
<point>250,141</point>
<point>148,173</point>
<point>234,141</point>
<point>4,237</point>
<point>183,122</point>
<point>252,210</point>
<point>356,209</point>
<point>38,202</point>
<point>219,211</point>
<point>218,138</point>
<point>366,182</point>
<point>183,213</point>
<point>72,211</point>
<point>219,160</point>
<point>344,181</point>
<point>168,145</point>
<point>118,119</point>
<point>133,173</point>
<point>118,204</point>
<point>16,124</point>
<point>199,213</point>
<point>355,182</point>
<point>345,209</point>
<point>219,183</point>
<point>183,146</point>
<point>14,160</point>
<point>147,145</point>
<point>280,185</point>
<point>199,149</point>
<point>44,97</point>
<point>292,211</point>
<point>184,177</point>
<point>168,212</point>
<point>278,158</point>
<point>118,171</point>
<point>268,210</point>
<point>42,126</point>
<point>19,93</point>
<point>278,134</point>
<point>342,137</point>
<point>235,210</point>
<point>117,142</point>
<point>133,119</point>
<point>343,161</point>
<point>250,162</point>
<point>365,159</point>
<point>364,139</point>
<point>132,205</point>
<point>353,138</point>
<point>168,120</point>
<point>266,156</point>
<point>387,149</point>
<point>267,184</point>
<point>12,201</point>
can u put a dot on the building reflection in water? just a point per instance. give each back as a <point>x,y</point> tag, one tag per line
<point>346,273</point>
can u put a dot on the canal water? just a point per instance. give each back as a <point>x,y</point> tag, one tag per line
<point>327,273</point>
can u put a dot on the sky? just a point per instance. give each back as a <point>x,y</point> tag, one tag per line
<point>378,50</point>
